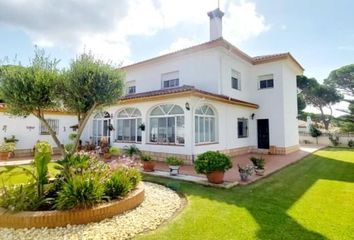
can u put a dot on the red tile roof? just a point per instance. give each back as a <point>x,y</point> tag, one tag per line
<point>187,89</point>
<point>221,42</point>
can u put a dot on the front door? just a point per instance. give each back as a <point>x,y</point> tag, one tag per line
<point>263,133</point>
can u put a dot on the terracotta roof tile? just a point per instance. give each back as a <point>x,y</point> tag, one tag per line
<point>186,89</point>
<point>269,57</point>
<point>215,43</point>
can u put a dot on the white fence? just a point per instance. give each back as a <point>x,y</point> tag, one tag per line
<point>305,138</point>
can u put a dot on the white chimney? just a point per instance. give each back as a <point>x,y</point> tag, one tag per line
<point>215,24</point>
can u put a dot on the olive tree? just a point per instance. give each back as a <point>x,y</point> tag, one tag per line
<point>88,85</point>
<point>31,89</point>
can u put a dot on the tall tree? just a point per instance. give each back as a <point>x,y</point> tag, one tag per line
<point>320,96</point>
<point>343,79</point>
<point>88,85</point>
<point>301,104</point>
<point>32,89</point>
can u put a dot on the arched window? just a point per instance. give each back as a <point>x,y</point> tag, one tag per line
<point>205,125</point>
<point>167,124</point>
<point>101,126</point>
<point>128,125</point>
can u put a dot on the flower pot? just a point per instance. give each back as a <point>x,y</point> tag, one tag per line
<point>148,166</point>
<point>4,155</point>
<point>174,170</point>
<point>216,177</point>
<point>244,176</point>
<point>259,172</point>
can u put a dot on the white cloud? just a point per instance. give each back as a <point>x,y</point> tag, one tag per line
<point>179,44</point>
<point>243,22</point>
<point>104,27</point>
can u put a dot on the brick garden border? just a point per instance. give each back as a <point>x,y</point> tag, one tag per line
<point>52,219</point>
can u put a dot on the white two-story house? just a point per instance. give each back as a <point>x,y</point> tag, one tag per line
<point>210,96</point>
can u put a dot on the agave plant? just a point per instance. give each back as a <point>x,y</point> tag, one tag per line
<point>132,151</point>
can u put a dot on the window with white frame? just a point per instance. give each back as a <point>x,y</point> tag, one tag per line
<point>170,80</point>
<point>235,79</point>
<point>101,127</point>
<point>53,123</point>
<point>205,125</point>
<point>128,124</point>
<point>130,87</point>
<point>167,124</point>
<point>266,81</point>
<point>242,127</point>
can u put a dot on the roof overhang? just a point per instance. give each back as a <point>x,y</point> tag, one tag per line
<point>220,42</point>
<point>184,91</point>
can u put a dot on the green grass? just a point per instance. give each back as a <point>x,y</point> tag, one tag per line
<point>16,175</point>
<point>312,199</point>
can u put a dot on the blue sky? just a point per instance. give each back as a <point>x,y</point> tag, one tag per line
<point>319,33</point>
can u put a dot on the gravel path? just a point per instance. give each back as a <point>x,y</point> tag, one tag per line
<point>159,205</point>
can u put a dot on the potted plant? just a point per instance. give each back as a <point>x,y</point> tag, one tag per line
<point>258,164</point>
<point>148,163</point>
<point>12,140</point>
<point>245,172</point>
<point>142,127</point>
<point>5,149</point>
<point>213,165</point>
<point>174,164</point>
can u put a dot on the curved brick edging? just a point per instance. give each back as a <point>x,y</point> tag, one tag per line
<point>52,219</point>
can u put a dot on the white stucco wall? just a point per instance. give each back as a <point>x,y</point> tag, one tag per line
<point>27,130</point>
<point>291,133</point>
<point>199,69</point>
<point>226,126</point>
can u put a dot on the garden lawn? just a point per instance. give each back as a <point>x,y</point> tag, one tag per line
<point>311,199</point>
<point>15,174</point>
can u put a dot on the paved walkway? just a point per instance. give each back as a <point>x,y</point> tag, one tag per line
<point>273,163</point>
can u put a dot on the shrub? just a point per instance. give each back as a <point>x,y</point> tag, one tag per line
<point>7,147</point>
<point>114,150</point>
<point>131,150</point>
<point>134,176</point>
<point>119,184</point>
<point>21,198</point>
<point>68,147</point>
<point>334,140</point>
<point>81,191</point>
<point>174,161</point>
<point>314,132</point>
<point>258,162</point>
<point>145,157</point>
<point>212,161</point>
<point>351,143</point>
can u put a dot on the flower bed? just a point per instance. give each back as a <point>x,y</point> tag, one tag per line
<point>52,219</point>
<point>83,190</point>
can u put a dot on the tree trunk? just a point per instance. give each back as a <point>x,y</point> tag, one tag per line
<point>81,128</point>
<point>323,117</point>
<point>52,133</point>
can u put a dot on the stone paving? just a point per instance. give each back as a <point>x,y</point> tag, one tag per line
<point>273,164</point>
